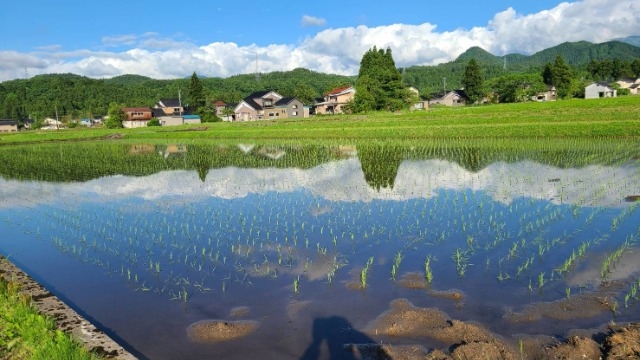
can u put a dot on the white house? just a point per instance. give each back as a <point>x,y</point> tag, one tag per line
<point>599,90</point>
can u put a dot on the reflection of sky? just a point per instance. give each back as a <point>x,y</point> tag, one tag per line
<point>344,181</point>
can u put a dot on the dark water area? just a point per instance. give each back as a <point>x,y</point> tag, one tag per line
<point>315,248</point>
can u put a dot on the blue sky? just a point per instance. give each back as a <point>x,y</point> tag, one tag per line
<point>169,39</point>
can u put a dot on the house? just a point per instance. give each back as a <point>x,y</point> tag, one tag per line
<point>422,103</point>
<point>268,105</point>
<point>170,112</point>
<point>549,95</point>
<point>631,84</point>
<point>219,105</point>
<point>452,98</point>
<point>334,101</point>
<point>8,126</point>
<point>28,123</point>
<point>170,107</point>
<point>290,108</point>
<point>136,117</point>
<point>51,124</point>
<point>597,90</point>
<point>86,122</point>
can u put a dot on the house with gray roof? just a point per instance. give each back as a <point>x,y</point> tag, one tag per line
<point>269,105</point>
<point>8,126</point>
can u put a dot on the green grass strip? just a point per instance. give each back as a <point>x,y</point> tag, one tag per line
<point>26,334</point>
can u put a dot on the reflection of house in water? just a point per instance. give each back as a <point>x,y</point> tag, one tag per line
<point>271,153</point>
<point>346,151</point>
<point>140,149</point>
<point>245,148</point>
<point>173,149</point>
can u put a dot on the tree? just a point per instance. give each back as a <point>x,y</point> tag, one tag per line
<point>559,75</point>
<point>195,93</point>
<point>379,85</point>
<point>635,68</point>
<point>305,93</point>
<point>473,82</point>
<point>11,108</point>
<point>547,74</point>
<point>116,116</point>
<point>517,87</point>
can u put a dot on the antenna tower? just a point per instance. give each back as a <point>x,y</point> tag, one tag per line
<point>257,68</point>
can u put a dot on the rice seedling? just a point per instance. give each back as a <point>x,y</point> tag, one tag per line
<point>428,274</point>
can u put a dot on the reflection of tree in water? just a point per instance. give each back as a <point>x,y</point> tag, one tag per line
<point>333,333</point>
<point>380,164</point>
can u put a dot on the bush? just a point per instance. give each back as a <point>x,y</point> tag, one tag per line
<point>154,122</point>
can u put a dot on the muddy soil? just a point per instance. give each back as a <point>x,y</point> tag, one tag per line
<point>466,340</point>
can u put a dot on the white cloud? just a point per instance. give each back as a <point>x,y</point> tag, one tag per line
<point>308,20</point>
<point>339,50</point>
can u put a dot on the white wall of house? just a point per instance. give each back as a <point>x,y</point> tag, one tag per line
<point>599,90</point>
<point>171,120</point>
<point>131,124</point>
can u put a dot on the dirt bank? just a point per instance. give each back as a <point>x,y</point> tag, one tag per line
<point>66,318</point>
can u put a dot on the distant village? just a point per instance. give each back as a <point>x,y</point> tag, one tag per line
<point>267,105</point>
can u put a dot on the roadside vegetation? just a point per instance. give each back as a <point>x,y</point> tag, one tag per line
<point>25,334</point>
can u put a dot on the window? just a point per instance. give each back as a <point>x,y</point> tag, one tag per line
<point>295,106</point>
<point>268,103</point>
<point>295,113</point>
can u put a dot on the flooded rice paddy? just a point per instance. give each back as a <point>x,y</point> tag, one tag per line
<point>263,251</point>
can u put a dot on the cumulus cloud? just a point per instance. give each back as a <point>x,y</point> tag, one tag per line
<point>308,20</point>
<point>339,51</point>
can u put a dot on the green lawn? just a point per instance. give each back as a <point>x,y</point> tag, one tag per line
<point>578,118</point>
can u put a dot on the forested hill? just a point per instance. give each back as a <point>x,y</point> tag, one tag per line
<point>78,96</point>
<point>430,79</point>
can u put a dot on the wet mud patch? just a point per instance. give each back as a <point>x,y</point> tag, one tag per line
<point>294,307</point>
<point>624,342</point>
<point>403,319</point>
<point>453,294</point>
<point>213,331</point>
<point>413,280</point>
<point>239,311</point>
<point>575,348</point>
<point>580,306</point>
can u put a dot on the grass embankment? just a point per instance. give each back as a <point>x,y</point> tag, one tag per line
<point>578,118</point>
<point>25,334</point>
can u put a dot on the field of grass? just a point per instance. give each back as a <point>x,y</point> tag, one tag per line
<point>25,334</point>
<point>578,118</point>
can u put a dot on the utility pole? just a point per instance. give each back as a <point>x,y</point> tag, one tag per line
<point>57,121</point>
<point>444,85</point>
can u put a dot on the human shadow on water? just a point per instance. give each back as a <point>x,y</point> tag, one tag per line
<point>337,332</point>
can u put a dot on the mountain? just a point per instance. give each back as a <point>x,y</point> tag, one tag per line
<point>432,79</point>
<point>633,40</point>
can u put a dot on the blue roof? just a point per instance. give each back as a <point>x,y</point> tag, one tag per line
<point>191,116</point>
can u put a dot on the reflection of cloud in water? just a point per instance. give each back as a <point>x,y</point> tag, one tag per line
<point>625,267</point>
<point>344,181</point>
